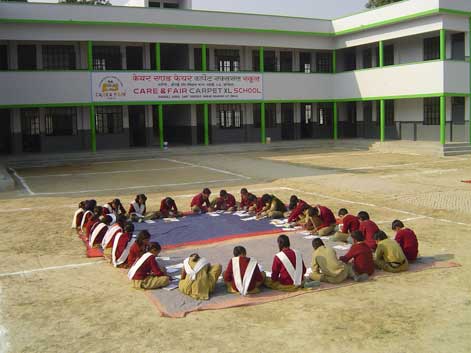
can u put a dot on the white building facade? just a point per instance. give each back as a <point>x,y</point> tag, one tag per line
<point>76,77</point>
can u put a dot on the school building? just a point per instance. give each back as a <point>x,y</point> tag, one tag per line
<point>78,78</point>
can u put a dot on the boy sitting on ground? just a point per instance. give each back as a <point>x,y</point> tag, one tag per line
<point>389,256</point>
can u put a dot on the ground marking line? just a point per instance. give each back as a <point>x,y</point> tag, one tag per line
<point>403,220</point>
<point>433,171</point>
<point>383,207</point>
<point>50,268</point>
<point>22,182</point>
<point>205,167</point>
<point>407,164</point>
<point>98,173</point>
<point>135,187</point>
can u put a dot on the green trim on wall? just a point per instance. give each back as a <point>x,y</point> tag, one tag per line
<point>90,55</point>
<point>157,57</point>
<point>261,59</point>
<point>92,128</point>
<point>336,122</point>
<point>382,120</point>
<point>206,123</point>
<point>381,53</point>
<point>334,61</point>
<point>204,59</point>
<point>442,119</point>
<point>442,44</point>
<point>160,112</point>
<point>263,136</point>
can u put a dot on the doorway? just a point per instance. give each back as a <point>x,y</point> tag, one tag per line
<point>287,121</point>
<point>5,133</point>
<point>457,133</point>
<point>307,119</point>
<point>30,130</point>
<point>137,126</point>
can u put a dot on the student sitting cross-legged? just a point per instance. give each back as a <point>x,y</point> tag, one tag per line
<point>169,209</point>
<point>77,219</point>
<point>389,256</point>
<point>350,223</point>
<point>138,248</point>
<point>198,277</point>
<point>322,220</point>
<point>244,199</point>
<point>368,228</point>
<point>273,207</point>
<point>288,268</point>
<point>138,210</point>
<point>406,239</point>
<point>363,264</point>
<point>122,246</point>
<point>146,272</point>
<point>225,202</point>
<point>200,203</point>
<point>326,267</point>
<point>243,274</point>
<point>297,208</point>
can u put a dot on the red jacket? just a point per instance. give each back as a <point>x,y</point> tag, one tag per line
<point>260,205</point>
<point>278,270</point>
<point>150,267</point>
<point>132,209</point>
<point>89,226</point>
<point>244,201</point>
<point>117,229</point>
<point>369,228</point>
<point>350,224</point>
<point>122,243</point>
<point>100,236</point>
<point>297,211</point>
<point>224,204</point>
<point>327,217</point>
<point>199,201</point>
<point>362,258</point>
<point>408,242</point>
<point>78,219</point>
<point>134,253</point>
<point>165,209</point>
<point>243,263</point>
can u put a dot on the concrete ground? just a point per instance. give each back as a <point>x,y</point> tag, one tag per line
<point>53,299</point>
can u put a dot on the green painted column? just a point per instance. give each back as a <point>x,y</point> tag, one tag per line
<point>204,59</point>
<point>206,123</point>
<point>261,58</point>
<point>382,120</point>
<point>381,53</point>
<point>160,111</point>
<point>442,44</point>
<point>92,128</point>
<point>336,121</point>
<point>90,55</point>
<point>263,134</point>
<point>334,61</point>
<point>442,119</point>
<point>157,56</point>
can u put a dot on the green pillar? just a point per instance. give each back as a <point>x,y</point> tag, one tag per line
<point>334,61</point>
<point>160,109</point>
<point>90,55</point>
<point>442,45</point>
<point>381,53</point>
<point>442,119</point>
<point>206,123</point>
<point>336,122</point>
<point>92,129</point>
<point>261,58</point>
<point>263,136</point>
<point>204,59</point>
<point>382,120</point>
<point>157,56</point>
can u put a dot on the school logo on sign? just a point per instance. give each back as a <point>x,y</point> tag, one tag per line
<point>110,87</point>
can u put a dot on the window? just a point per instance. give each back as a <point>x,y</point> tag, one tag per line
<point>305,62</point>
<point>230,116</point>
<point>286,61</point>
<point>270,115</point>
<point>324,62</point>
<point>367,112</point>
<point>109,120</point>
<point>432,48</point>
<point>388,55</point>
<point>457,110</point>
<point>432,111</point>
<point>325,113</point>
<point>308,114</point>
<point>198,58</point>
<point>389,112</point>
<point>350,59</point>
<point>270,62</point>
<point>154,4</point>
<point>61,121</point>
<point>58,57</point>
<point>107,58</point>
<point>27,57</point>
<point>134,58</point>
<point>458,46</point>
<point>227,59</point>
<point>170,5</point>
<point>367,58</point>
<point>3,57</point>
<point>30,122</point>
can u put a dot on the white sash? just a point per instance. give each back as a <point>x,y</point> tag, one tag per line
<point>109,234</point>
<point>296,274</point>
<point>113,218</point>
<point>242,285</point>
<point>74,220</point>
<point>124,256</point>
<point>108,207</point>
<point>192,272</point>
<point>138,264</point>
<point>138,210</point>
<point>95,233</point>
<point>84,217</point>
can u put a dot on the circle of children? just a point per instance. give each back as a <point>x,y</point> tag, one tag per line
<point>111,228</point>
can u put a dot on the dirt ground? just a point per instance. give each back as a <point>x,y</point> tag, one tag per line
<point>92,308</point>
